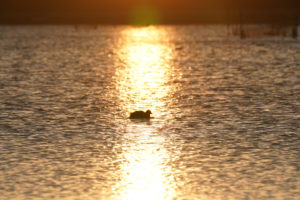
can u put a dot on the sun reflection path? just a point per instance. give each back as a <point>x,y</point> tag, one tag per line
<point>143,81</point>
<point>146,174</point>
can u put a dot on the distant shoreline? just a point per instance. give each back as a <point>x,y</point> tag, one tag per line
<point>286,23</point>
<point>219,18</point>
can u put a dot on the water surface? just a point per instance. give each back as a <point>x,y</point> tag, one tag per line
<point>225,114</point>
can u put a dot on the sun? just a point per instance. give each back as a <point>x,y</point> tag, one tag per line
<point>144,15</point>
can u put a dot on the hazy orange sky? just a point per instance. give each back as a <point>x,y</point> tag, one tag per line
<point>146,11</point>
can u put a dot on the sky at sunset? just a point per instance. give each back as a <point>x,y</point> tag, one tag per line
<point>146,11</point>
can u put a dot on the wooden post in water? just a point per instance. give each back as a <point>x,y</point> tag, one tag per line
<point>295,29</point>
<point>242,32</point>
<point>295,24</point>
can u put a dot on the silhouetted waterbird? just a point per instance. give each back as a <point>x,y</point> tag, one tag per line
<point>140,115</point>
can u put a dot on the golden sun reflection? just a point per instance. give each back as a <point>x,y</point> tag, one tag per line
<point>146,174</point>
<point>143,82</point>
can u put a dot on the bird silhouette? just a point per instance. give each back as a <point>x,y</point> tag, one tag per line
<point>140,115</point>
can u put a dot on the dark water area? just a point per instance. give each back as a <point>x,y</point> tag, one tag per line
<point>226,118</point>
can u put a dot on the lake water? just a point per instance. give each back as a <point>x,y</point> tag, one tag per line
<point>226,114</point>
